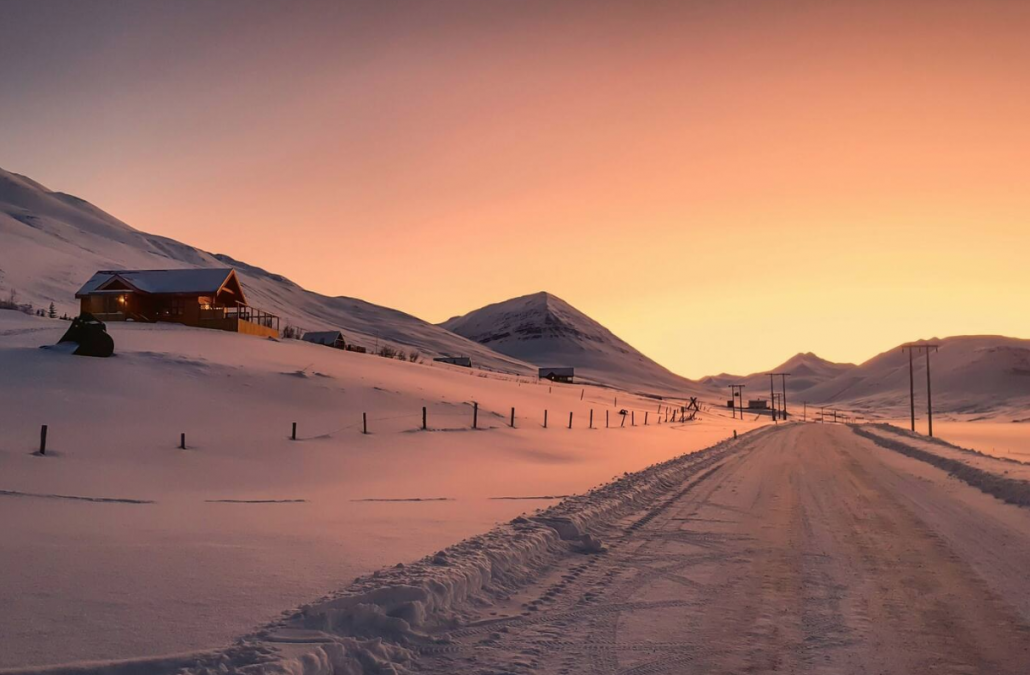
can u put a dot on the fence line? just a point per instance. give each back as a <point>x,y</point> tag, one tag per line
<point>422,419</point>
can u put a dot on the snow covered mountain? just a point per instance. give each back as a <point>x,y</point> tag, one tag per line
<point>806,371</point>
<point>971,374</point>
<point>547,331</point>
<point>51,242</point>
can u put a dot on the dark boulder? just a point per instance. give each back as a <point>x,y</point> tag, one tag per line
<point>91,334</point>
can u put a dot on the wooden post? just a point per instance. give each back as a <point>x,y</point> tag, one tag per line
<point>633,418</point>
<point>911,389</point>
<point>42,440</point>
<point>293,434</point>
<point>570,419</point>
<point>182,441</point>
<point>475,414</point>
<point>929,404</point>
<point>645,418</point>
<point>591,418</point>
<point>545,419</point>
<point>582,393</point>
<point>423,418</point>
<point>513,417</point>
<point>364,423</point>
<point>606,419</point>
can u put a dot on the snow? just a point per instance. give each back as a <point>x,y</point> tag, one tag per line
<point>116,544</point>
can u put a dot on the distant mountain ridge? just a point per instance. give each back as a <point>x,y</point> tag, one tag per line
<point>972,375</point>
<point>545,330</point>
<point>806,370</point>
<point>53,242</point>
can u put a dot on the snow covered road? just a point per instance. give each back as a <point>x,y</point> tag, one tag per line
<point>808,549</point>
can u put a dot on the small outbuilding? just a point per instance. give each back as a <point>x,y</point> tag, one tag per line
<point>463,361</point>
<point>557,374</point>
<point>329,338</point>
<point>758,404</point>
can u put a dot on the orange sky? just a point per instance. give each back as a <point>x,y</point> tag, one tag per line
<point>721,183</point>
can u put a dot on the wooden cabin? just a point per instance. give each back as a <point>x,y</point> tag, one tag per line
<point>563,374</point>
<point>463,361</point>
<point>205,298</point>
<point>329,338</point>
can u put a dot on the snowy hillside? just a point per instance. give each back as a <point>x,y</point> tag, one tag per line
<point>117,543</point>
<point>972,375</point>
<point>547,331</point>
<point>53,242</point>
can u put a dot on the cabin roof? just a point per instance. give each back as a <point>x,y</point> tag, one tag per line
<point>198,281</point>
<point>322,336</point>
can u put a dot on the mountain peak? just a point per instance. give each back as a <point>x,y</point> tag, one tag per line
<point>543,329</point>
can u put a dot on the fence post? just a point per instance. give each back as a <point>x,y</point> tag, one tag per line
<point>293,434</point>
<point>423,418</point>
<point>182,441</point>
<point>591,418</point>
<point>633,418</point>
<point>475,414</point>
<point>42,440</point>
<point>513,417</point>
<point>364,423</point>
<point>582,393</point>
<point>605,419</point>
<point>645,418</point>
<point>570,419</point>
<point>545,419</point>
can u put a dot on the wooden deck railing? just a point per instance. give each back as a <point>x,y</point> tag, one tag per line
<point>244,313</point>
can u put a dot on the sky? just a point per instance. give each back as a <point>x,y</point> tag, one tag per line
<point>722,184</point>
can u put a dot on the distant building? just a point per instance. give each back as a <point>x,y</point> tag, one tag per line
<point>205,298</point>
<point>758,404</point>
<point>356,348</point>
<point>329,338</point>
<point>562,374</point>
<point>463,361</point>
<point>732,403</point>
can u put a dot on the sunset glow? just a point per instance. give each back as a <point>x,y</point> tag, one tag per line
<point>720,184</point>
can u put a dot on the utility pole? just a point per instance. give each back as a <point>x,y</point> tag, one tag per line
<point>804,411</point>
<point>783,377</point>
<point>735,391</point>
<point>772,395</point>
<point>911,348</point>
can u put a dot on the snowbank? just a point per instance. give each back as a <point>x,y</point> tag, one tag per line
<point>1003,478</point>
